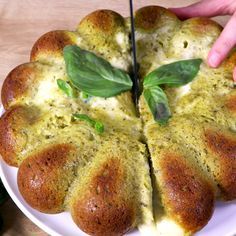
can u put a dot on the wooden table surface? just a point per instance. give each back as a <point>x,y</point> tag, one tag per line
<point>21,23</point>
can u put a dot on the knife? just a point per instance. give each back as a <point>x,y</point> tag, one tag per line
<point>134,59</point>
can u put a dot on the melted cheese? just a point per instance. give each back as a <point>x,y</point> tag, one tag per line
<point>120,38</point>
<point>147,230</point>
<point>119,62</point>
<point>167,227</point>
<point>46,91</point>
<point>183,90</point>
<point>110,105</point>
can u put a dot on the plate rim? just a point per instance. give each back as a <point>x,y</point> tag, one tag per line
<point>33,218</point>
<point>37,221</point>
<point>23,209</point>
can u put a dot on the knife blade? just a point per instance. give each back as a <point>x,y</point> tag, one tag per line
<point>134,58</point>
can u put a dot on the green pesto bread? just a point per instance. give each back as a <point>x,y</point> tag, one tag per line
<point>193,156</point>
<point>136,174</point>
<point>102,179</point>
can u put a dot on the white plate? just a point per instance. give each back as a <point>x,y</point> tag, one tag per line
<point>222,223</point>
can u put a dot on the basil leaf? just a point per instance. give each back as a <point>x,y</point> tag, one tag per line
<point>94,75</point>
<point>97,125</point>
<point>66,88</point>
<point>174,74</point>
<point>158,104</point>
<point>84,95</point>
<point>84,117</point>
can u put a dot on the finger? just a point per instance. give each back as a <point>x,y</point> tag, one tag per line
<point>234,74</point>
<point>207,8</point>
<point>223,44</point>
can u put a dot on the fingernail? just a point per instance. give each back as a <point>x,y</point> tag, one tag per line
<point>214,59</point>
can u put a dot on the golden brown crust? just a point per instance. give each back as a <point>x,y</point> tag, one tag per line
<point>230,62</point>
<point>194,38</point>
<point>150,18</point>
<point>231,103</point>
<point>101,20</point>
<point>99,30</point>
<point>53,43</point>
<point>17,83</point>
<point>224,147</point>
<point>201,26</point>
<point>44,177</point>
<point>102,210</point>
<point>105,21</point>
<point>187,196</point>
<point>13,132</point>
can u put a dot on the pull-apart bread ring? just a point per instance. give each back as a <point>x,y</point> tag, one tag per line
<point>137,173</point>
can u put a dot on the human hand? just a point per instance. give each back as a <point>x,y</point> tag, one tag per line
<point>227,39</point>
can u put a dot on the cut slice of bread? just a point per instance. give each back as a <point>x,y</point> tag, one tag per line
<point>193,157</point>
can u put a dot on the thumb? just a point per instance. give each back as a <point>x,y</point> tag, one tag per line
<point>206,8</point>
